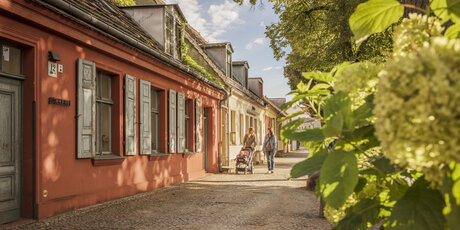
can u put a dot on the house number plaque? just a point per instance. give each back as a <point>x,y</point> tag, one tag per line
<point>57,101</point>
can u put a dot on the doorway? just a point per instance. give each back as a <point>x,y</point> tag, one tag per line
<point>206,137</point>
<point>10,149</point>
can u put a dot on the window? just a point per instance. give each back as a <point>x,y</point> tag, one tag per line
<point>169,34</point>
<point>155,116</point>
<point>241,128</point>
<point>11,60</point>
<point>188,124</point>
<point>229,64</point>
<point>245,77</point>
<point>178,41</point>
<point>256,130</point>
<point>104,104</point>
<point>173,37</point>
<point>232,127</point>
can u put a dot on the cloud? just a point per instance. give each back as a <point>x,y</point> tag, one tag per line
<point>272,68</point>
<point>213,22</point>
<point>262,24</point>
<point>257,41</point>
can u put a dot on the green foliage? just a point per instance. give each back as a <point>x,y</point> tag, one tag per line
<point>310,165</point>
<point>395,125</point>
<point>374,16</point>
<point>315,36</point>
<point>188,61</point>
<point>125,2</point>
<point>339,176</point>
<point>419,208</point>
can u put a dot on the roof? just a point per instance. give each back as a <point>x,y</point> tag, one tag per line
<point>106,18</point>
<point>109,13</point>
<point>176,7</point>
<point>256,78</point>
<point>240,63</point>
<point>220,44</point>
<point>274,106</point>
<point>278,101</point>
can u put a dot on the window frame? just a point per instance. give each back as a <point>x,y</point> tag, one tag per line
<point>188,124</point>
<point>169,18</point>
<point>21,60</point>
<point>100,101</point>
<point>155,112</point>
<point>228,64</point>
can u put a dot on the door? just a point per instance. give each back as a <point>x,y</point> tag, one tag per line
<point>10,150</point>
<point>206,141</point>
<point>224,136</point>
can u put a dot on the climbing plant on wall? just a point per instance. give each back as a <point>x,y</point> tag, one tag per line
<point>393,127</point>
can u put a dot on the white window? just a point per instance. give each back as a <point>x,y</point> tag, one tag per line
<point>155,119</point>
<point>173,38</point>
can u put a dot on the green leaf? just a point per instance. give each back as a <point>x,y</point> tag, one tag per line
<point>310,165</point>
<point>365,211</point>
<point>333,126</point>
<point>318,76</point>
<point>320,86</point>
<point>292,115</point>
<point>361,183</point>
<point>339,176</point>
<point>452,209</point>
<point>420,208</point>
<point>446,9</point>
<point>339,102</point>
<point>384,165</point>
<point>374,16</point>
<point>290,131</point>
<point>453,31</point>
<point>365,110</point>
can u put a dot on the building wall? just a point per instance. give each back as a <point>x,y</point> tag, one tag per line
<point>240,104</point>
<point>64,182</point>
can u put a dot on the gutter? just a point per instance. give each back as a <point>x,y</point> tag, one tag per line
<point>70,9</point>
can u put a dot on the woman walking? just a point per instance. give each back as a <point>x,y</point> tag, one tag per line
<point>269,148</point>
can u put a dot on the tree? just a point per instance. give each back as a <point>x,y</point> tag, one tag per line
<point>315,35</point>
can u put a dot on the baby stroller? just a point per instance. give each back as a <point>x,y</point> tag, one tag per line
<point>244,161</point>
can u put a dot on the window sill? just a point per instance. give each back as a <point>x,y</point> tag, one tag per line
<point>107,160</point>
<point>189,153</point>
<point>157,155</point>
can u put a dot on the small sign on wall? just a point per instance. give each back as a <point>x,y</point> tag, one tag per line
<point>52,69</point>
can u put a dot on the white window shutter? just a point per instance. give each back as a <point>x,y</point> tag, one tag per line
<point>198,138</point>
<point>172,122</point>
<point>145,117</point>
<point>130,115</point>
<point>86,109</point>
<point>180,122</point>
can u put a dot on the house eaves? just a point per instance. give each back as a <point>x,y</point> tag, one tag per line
<point>103,21</point>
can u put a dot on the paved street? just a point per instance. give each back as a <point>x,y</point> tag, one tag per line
<point>221,201</point>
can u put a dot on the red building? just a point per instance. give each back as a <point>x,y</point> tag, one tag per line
<point>93,108</point>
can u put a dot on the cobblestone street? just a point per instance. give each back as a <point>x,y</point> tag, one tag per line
<point>216,201</point>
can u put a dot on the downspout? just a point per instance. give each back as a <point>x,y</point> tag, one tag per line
<point>219,158</point>
<point>34,160</point>
<point>88,18</point>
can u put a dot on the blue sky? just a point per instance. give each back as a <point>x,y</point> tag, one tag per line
<point>244,27</point>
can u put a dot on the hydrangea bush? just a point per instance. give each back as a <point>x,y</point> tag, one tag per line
<point>388,152</point>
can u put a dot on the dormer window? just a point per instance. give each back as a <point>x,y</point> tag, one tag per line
<point>169,34</point>
<point>163,23</point>
<point>229,64</point>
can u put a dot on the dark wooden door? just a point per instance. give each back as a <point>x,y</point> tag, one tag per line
<point>206,141</point>
<point>10,149</point>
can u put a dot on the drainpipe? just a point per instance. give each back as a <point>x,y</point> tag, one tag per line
<point>226,96</point>
<point>34,160</point>
<point>67,7</point>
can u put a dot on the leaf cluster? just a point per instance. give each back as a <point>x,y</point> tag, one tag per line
<point>356,176</point>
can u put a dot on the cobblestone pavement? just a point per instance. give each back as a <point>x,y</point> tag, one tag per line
<point>216,201</point>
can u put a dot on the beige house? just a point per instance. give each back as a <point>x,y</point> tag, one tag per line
<point>273,115</point>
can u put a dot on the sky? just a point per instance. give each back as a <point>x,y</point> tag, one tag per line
<point>244,27</point>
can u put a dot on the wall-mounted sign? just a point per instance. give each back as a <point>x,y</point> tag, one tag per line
<point>57,101</point>
<point>52,69</point>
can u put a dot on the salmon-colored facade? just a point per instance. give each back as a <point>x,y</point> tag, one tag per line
<point>52,178</point>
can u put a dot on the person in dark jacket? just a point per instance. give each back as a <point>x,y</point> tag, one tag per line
<point>250,140</point>
<point>270,147</point>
